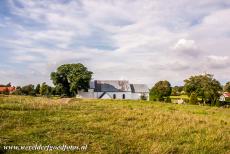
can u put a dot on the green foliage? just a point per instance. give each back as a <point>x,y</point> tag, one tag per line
<point>160,90</point>
<point>193,98</point>
<point>168,100</point>
<point>227,99</point>
<point>205,86</point>
<point>18,91</point>
<point>217,103</point>
<point>37,89</point>
<point>53,91</point>
<point>69,78</point>
<point>28,90</point>
<point>227,87</point>
<point>176,91</point>
<point>44,89</point>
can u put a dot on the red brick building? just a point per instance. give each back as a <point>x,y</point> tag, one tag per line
<point>7,89</point>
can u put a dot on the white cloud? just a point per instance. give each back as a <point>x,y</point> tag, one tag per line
<point>24,58</point>
<point>218,58</point>
<point>143,40</point>
<point>218,62</point>
<point>184,44</point>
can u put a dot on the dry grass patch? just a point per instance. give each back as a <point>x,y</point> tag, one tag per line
<point>113,126</point>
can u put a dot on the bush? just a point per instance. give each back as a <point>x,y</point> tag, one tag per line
<point>143,97</point>
<point>218,103</point>
<point>193,98</point>
<point>168,100</point>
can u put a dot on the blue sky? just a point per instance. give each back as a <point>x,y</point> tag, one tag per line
<point>143,41</point>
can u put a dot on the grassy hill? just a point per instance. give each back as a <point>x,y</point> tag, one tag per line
<point>113,126</point>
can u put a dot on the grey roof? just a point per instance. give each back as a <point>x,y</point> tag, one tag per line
<point>112,86</point>
<point>139,88</point>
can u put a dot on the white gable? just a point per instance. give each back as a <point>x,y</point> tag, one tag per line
<point>106,96</point>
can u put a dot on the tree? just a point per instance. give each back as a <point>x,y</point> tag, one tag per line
<point>227,87</point>
<point>18,91</point>
<point>53,91</point>
<point>205,86</point>
<point>193,98</point>
<point>176,91</point>
<point>160,90</point>
<point>28,90</point>
<point>70,78</point>
<point>168,100</point>
<point>37,89</point>
<point>44,89</point>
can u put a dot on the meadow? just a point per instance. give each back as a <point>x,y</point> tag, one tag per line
<point>114,126</point>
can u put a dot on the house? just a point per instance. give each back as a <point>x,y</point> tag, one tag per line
<point>225,97</point>
<point>7,89</point>
<point>115,89</point>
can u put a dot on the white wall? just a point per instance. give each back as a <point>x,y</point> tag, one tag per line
<point>108,95</point>
<point>85,94</point>
<point>119,95</point>
<point>137,96</point>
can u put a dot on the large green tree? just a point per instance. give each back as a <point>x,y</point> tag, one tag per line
<point>205,86</point>
<point>176,91</point>
<point>44,89</point>
<point>160,90</point>
<point>227,87</point>
<point>37,89</point>
<point>28,90</point>
<point>69,78</point>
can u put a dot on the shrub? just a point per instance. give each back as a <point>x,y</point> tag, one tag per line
<point>143,97</point>
<point>193,98</point>
<point>168,100</point>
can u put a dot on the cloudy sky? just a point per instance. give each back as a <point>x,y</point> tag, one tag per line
<point>140,40</point>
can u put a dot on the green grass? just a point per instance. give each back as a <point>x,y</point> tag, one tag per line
<point>183,97</point>
<point>113,126</point>
<point>180,97</point>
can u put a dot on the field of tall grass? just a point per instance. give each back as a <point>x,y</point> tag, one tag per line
<point>113,126</point>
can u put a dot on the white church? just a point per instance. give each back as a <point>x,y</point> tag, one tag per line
<point>115,89</point>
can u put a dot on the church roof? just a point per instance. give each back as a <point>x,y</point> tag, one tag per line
<point>139,88</point>
<point>117,86</point>
<point>112,86</point>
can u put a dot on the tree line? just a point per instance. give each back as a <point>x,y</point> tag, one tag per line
<point>200,89</point>
<point>68,79</point>
<point>38,90</point>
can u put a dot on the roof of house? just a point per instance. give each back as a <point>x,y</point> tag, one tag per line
<point>111,86</point>
<point>139,88</point>
<point>117,86</point>
<point>226,94</point>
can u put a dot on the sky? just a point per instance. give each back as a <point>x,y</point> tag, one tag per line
<point>142,41</point>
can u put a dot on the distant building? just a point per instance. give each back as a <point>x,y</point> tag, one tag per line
<point>115,89</point>
<point>7,89</point>
<point>225,96</point>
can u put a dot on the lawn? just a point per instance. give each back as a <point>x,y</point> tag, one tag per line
<point>180,97</point>
<point>113,126</point>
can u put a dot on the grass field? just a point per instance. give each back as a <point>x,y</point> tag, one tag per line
<point>112,126</point>
<point>180,97</point>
